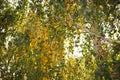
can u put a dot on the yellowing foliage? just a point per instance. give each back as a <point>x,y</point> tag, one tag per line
<point>48,47</point>
<point>32,34</point>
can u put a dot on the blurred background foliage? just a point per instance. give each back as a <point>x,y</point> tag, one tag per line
<point>37,37</point>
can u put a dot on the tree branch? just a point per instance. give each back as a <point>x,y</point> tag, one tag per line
<point>85,30</point>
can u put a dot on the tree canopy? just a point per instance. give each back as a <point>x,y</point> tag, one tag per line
<point>37,37</point>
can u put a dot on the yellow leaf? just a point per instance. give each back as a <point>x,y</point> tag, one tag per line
<point>70,23</point>
<point>44,78</point>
